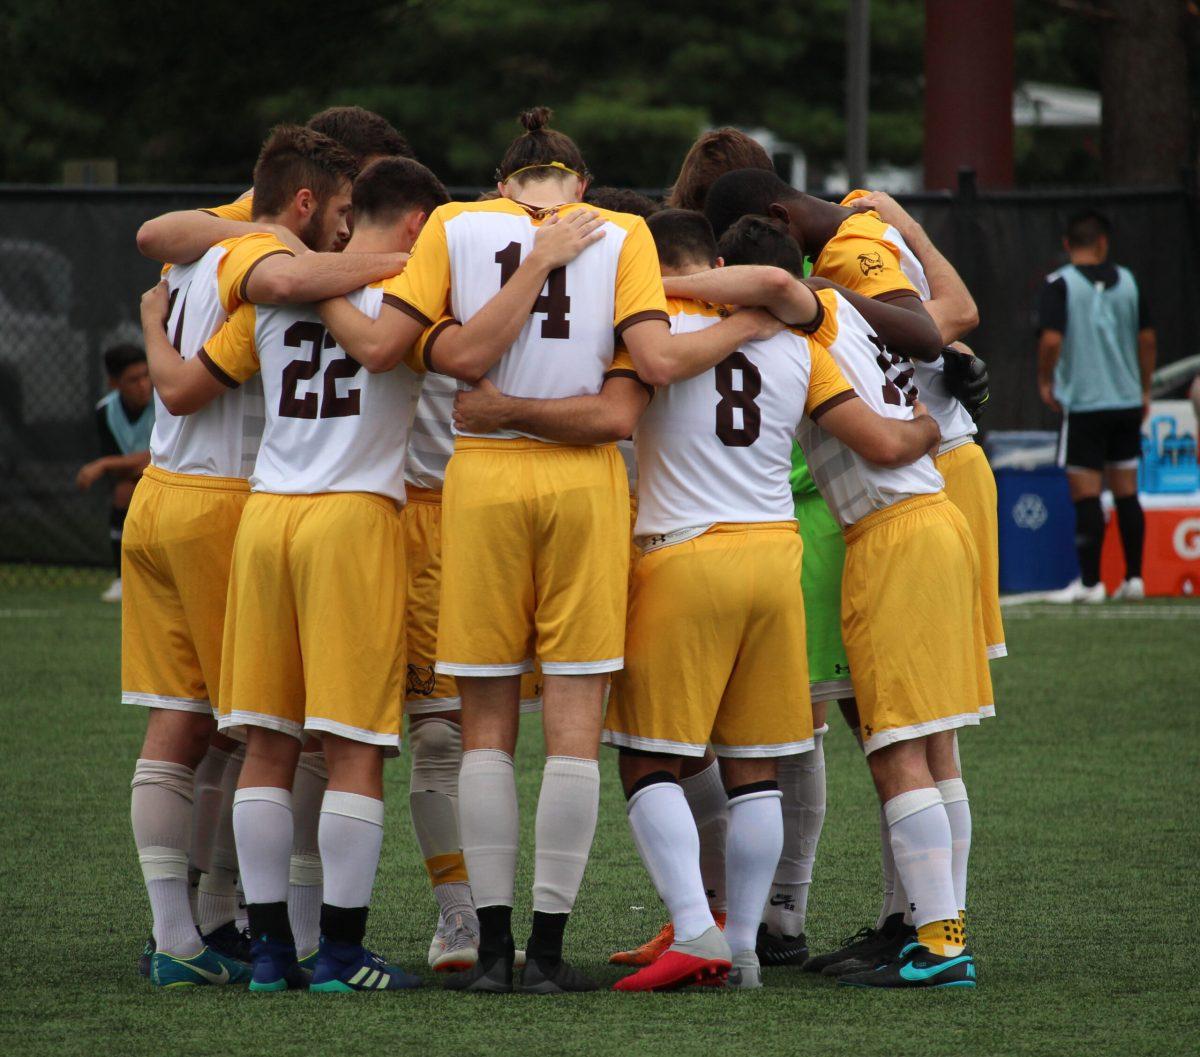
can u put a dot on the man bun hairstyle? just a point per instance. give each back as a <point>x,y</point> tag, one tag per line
<point>742,193</point>
<point>294,157</point>
<point>683,237</point>
<point>543,151</point>
<point>390,187</point>
<point>1086,227</point>
<point>715,153</point>
<point>118,357</point>
<point>759,240</point>
<point>364,133</point>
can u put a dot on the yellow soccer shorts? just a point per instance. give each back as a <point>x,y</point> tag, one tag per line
<point>911,622</point>
<point>715,650</point>
<point>314,628</point>
<point>427,691</point>
<point>971,486</point>
<point>535,559</point>
<point>175,557</point>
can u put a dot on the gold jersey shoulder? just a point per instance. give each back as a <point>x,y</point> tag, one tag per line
<point>508,206</point>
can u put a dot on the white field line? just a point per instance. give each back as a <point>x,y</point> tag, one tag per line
<point>25,614</point>
<point>1103,611</point>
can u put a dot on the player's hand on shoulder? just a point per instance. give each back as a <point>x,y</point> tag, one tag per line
<point>890,211</point>
<point>563,238</point>
<point>155,302</point>
<point>479,410</point>
<point>760,323</point>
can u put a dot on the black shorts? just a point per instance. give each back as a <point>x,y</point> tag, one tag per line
<point>1092,440</point>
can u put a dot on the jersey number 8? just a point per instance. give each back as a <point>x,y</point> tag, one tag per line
<point>739,398</point>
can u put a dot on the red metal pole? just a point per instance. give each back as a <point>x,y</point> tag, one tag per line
<point>968,91</point>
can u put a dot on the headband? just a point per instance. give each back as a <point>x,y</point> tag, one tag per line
<point>541,165</point>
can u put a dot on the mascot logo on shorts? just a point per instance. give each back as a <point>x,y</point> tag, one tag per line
<point>870,263</point>
<point>420,679</point>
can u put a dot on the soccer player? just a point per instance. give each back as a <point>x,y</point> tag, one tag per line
<point>183,236</point>
<point>124,419</point>
<point>320,535</point>
<point>179,541</point>
<point>516,579</point>
<point>1096,352</point>
<point>913,629</point>
<point>870,256</point>
<point>715,153</point>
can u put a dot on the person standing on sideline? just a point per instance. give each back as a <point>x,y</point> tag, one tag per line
<point>124,419</point>
<point>1096,351</point>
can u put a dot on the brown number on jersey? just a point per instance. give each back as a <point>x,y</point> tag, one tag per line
<point>554,304</point>
<point>331,405</point>
<point>898,385</point>
<point>741,398</point>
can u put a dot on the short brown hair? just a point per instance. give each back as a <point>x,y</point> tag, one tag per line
<point>621,200</point>
<point>364,133</point>
<point>293,158</point>
<point>715,153</point>
<point>540,146</point>
<point>683,237</point>
<point>390,187</point>
<point>760,240</point>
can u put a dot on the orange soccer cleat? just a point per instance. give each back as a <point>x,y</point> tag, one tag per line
<point>704,961</point>
<point>653,949</point>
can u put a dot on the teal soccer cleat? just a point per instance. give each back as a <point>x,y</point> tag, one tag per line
<point>207,967</point>
<point>918,967</point>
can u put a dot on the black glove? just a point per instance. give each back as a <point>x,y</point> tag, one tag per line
<point>966,380</point>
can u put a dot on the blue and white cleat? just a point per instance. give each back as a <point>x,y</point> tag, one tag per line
<point>206,968</point>
<point>917,966</point>
<point>343,967</point>
<point>275,967</point>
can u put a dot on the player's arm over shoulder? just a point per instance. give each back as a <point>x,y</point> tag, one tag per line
<point>185,235</point>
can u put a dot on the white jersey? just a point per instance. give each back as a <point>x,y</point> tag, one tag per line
<point>331,426</point>
<point>220,440</point>
<point>850,485</point>
<point>718,447</point>
<point>467,251</point>
<point>952,418</point>
<point>432,441</point>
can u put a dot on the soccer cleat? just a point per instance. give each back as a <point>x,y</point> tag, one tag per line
<point>866,948</point>
<point>490,975</point>
<point>228,941</point>
<point>559,978</point>
<point>704,960</point>
<point>207,967</point>
<point>344,967</point>
<point>745,973</point>
<point>1076,592</point>
<point>275,967</point>
<point>918,967</point>
<point>780,950</point>
<point>653,948</point>
<point>459,947</point>
<point>145,957</point>
<point>1133,589</point>
<point>309,962</point>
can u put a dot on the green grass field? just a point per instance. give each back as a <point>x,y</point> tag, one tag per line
<point>1083,888</point>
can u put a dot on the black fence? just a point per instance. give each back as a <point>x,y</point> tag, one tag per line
<point>70,278</point>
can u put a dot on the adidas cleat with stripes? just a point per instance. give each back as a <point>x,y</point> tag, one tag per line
<point>917,966</point>
<point>204,969</point>
<point>345,967</point>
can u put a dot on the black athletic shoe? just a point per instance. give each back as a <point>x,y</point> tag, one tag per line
<point>227,940</point>
<point>866,945</point>
<point>558,978</point>
<point>780,950</point>
<point>918,967</point>
<point>146,957</point>
<point>489,976</point>
<point>888,949</point>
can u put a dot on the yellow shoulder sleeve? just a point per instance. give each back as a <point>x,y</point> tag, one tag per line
<point>423,288</point>
<point>639,288</point>
<point>231,354</point>
<point>419,355</point>
<point>242,256</point>
<point>242,209</point>
<point>827,386</point>
<point>861,259</point>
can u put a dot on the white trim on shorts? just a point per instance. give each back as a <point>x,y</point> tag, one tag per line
<point>173,704</point>
<point>345,730</point>
<point>1124,464</point>
<point>1060,457</point>
<point>482,671</point>
<point>613,664</point>
<point>757,752</point>
<point>259,719</point>
<point>830,690</point>
<point>988,712</point>
<point>881,739</point>
<point>620,740</point>
<point>997,650</point>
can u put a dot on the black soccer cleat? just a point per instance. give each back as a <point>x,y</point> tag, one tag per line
<point>917,966</point>
<point>490,975</point>
<point>228,941</point>
<point>865,948</point>
<point>780,950</point>
<point>554,978</point>
<point>146,958</point>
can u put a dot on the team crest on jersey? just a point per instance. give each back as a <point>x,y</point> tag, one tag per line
<point>420,679</point>
<point>870,263</point>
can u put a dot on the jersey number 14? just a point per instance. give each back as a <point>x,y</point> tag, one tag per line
<point>554,302</point>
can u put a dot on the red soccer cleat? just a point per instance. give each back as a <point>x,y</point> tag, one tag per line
<point>704,961</point>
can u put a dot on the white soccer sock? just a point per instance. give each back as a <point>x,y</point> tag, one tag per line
<point>802,785</point>
<point>921,844</point>
<point>262,825</point>
<point>895,899</point>
<point>217,902</point>
<point>436,746</point>
<point>752,853</point>
<point>665,833</point>
<point>958,811</point>
<point>305,876</point>
<point>568,806</point>
<point>706,797</point>
<point>351,836</point>
<point>161,814</point>
<point>487,813</point>
<point>454,901</point>
<point>206,807</point>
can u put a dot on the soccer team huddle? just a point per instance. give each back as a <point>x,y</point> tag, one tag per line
<point>559,450</point>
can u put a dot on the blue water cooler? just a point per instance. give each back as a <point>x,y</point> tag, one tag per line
<point>1037,530</point>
